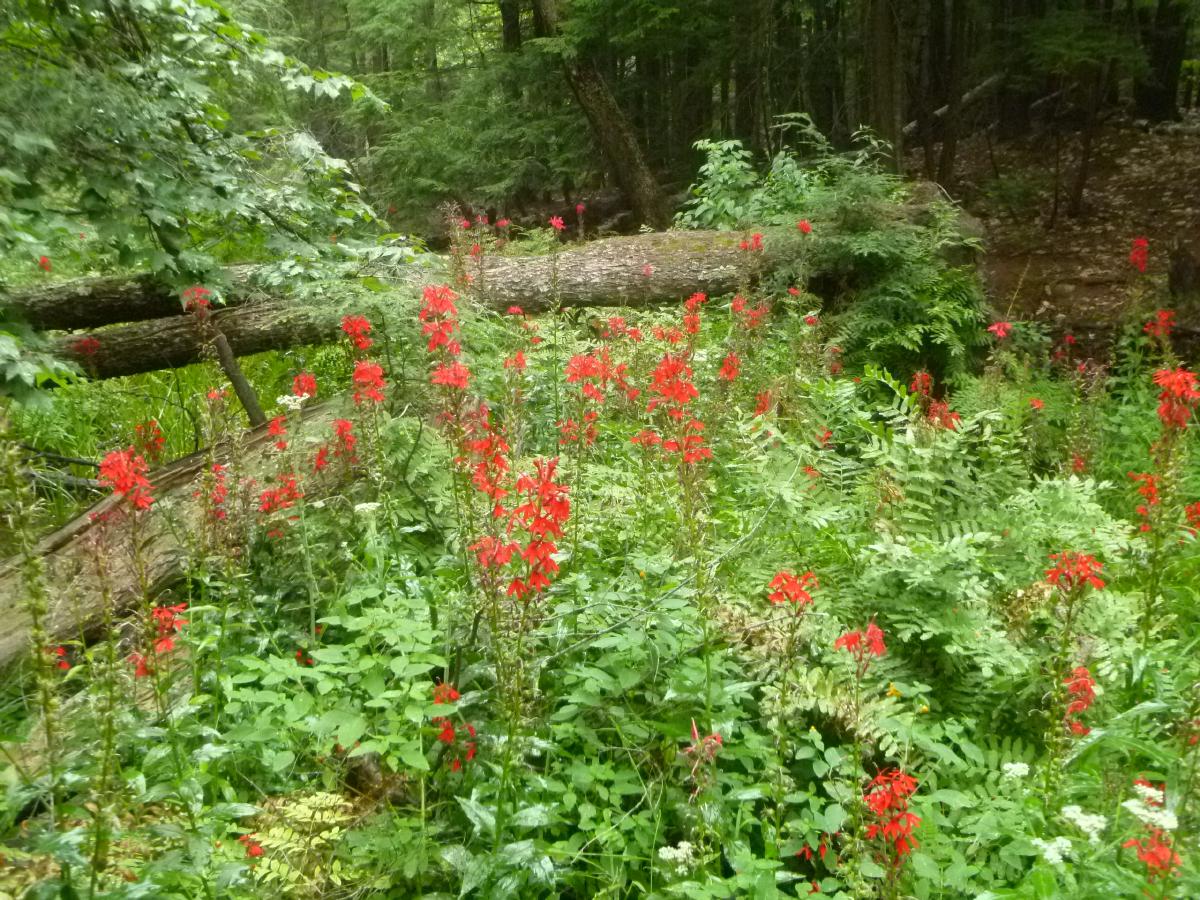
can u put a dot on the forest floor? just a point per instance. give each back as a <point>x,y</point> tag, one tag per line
<point>1144,183</point>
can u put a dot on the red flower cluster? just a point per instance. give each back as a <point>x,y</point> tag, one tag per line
<point>197,300</point>
<point>59,655</point>
<point>543,513</point>
<point>489,466</point>
<point>439,318</point>
<point>1162,323</point>
<point>278,429</point>
<point>616,327</point>
<point>1081,688</point>
<point>445,692</point>
<point>125,472</point>
<point>1000,329</point>
<point>942,415</point>
<point>280,498</point>
<point>305,385</point>
<point>368,382</point>
<point>691,316</point>
<point>862,645</point>
<point>749,317</point>
<point>730,367</point>
<point>448,735</point>
<point>1072,570</point>
<point>44,263</point>
<point>167,624</point>
<point>1156,852</point>
<point>785,587</point>
<point>253,848</point>
<point>85,346</point>
<point>754,244</point>
<point>1036,403</point>
<point>762,403</point>
<point>217,495</point>
<point>148,439</point>
<point>343,433</point>
<point>922,383</point>
<point>887,798</point>
<point>557,223</point>
<point>1178,397</point>
<point>1149,492</point>
<point>1192,511</point>
<point>1139,255</point>
<point>357,328</point>
<point>454,375</point>
<point>804,226</point>
<point>671,386</point>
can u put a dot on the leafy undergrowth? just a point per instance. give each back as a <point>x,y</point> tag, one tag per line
<point>677,604</point>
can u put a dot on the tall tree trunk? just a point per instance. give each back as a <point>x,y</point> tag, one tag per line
<point>954,81</point>
<point>1097,85</point>
<point>1164,35</point>
<point>510,25</point>
<point>611,129</point>
<point>884,74</point>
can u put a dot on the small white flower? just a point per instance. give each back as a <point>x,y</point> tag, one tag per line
<point>1015,769</point>
<point>1091,824</point>
<point>1053,851</point>
<point>291,401</point>
<point>1152,816</point>
<point>365,509</point>
<point>1150,794</point>
<point>682,857</point>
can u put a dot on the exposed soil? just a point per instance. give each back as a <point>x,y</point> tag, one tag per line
<point>1144,182</point>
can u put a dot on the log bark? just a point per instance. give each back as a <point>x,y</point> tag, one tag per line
<point>67,555</point>
<point>609,272</point>
<point>107,300</point>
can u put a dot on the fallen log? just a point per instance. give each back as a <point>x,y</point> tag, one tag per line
<point>67,554</point>
<point>641,270</point>
<point>589,274</point>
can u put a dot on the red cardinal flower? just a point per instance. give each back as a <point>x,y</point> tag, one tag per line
<point>452,375</point>
<point>278,429</point>
<point>1072,570</point>
<point>1156,852</point>
<point>125,472</point>
<point>1178,396</point>
<point>1140,254</point>
<point>1036,403</point>
<point>804,226</point>
<point>785,587</point>
<point>304,385</point>
<point>445,692</point>
<point>1162,323</point>
<point>44,263</point>
<point>357,328</point>
<point>1000,329</point>
<point>730,368</point>
<point>368,382</point>
<point>557,223</point>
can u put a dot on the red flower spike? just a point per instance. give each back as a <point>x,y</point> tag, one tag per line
<point>1074,570</point>
<point>785,587</point>
<point>125,472</point>
<point>368,382</point>
<point>1139,255</point>
<point>357,328</point>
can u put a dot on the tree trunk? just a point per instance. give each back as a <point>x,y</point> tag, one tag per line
<point>510,25</point>
<point>957,56</point>
<point>601,273</point>
<point>884,74</point>
<point>1164,36</point>
<point>611,129</point>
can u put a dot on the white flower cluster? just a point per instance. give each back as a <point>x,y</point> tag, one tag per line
<point>1150,794</point>
<point>1015,769</point>
<point>1153,816</point>
<point>366,509</point>
<point>1053,851</point>
<point>291,401</point>
<point>1091,824</point>
<point>682,857</point>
